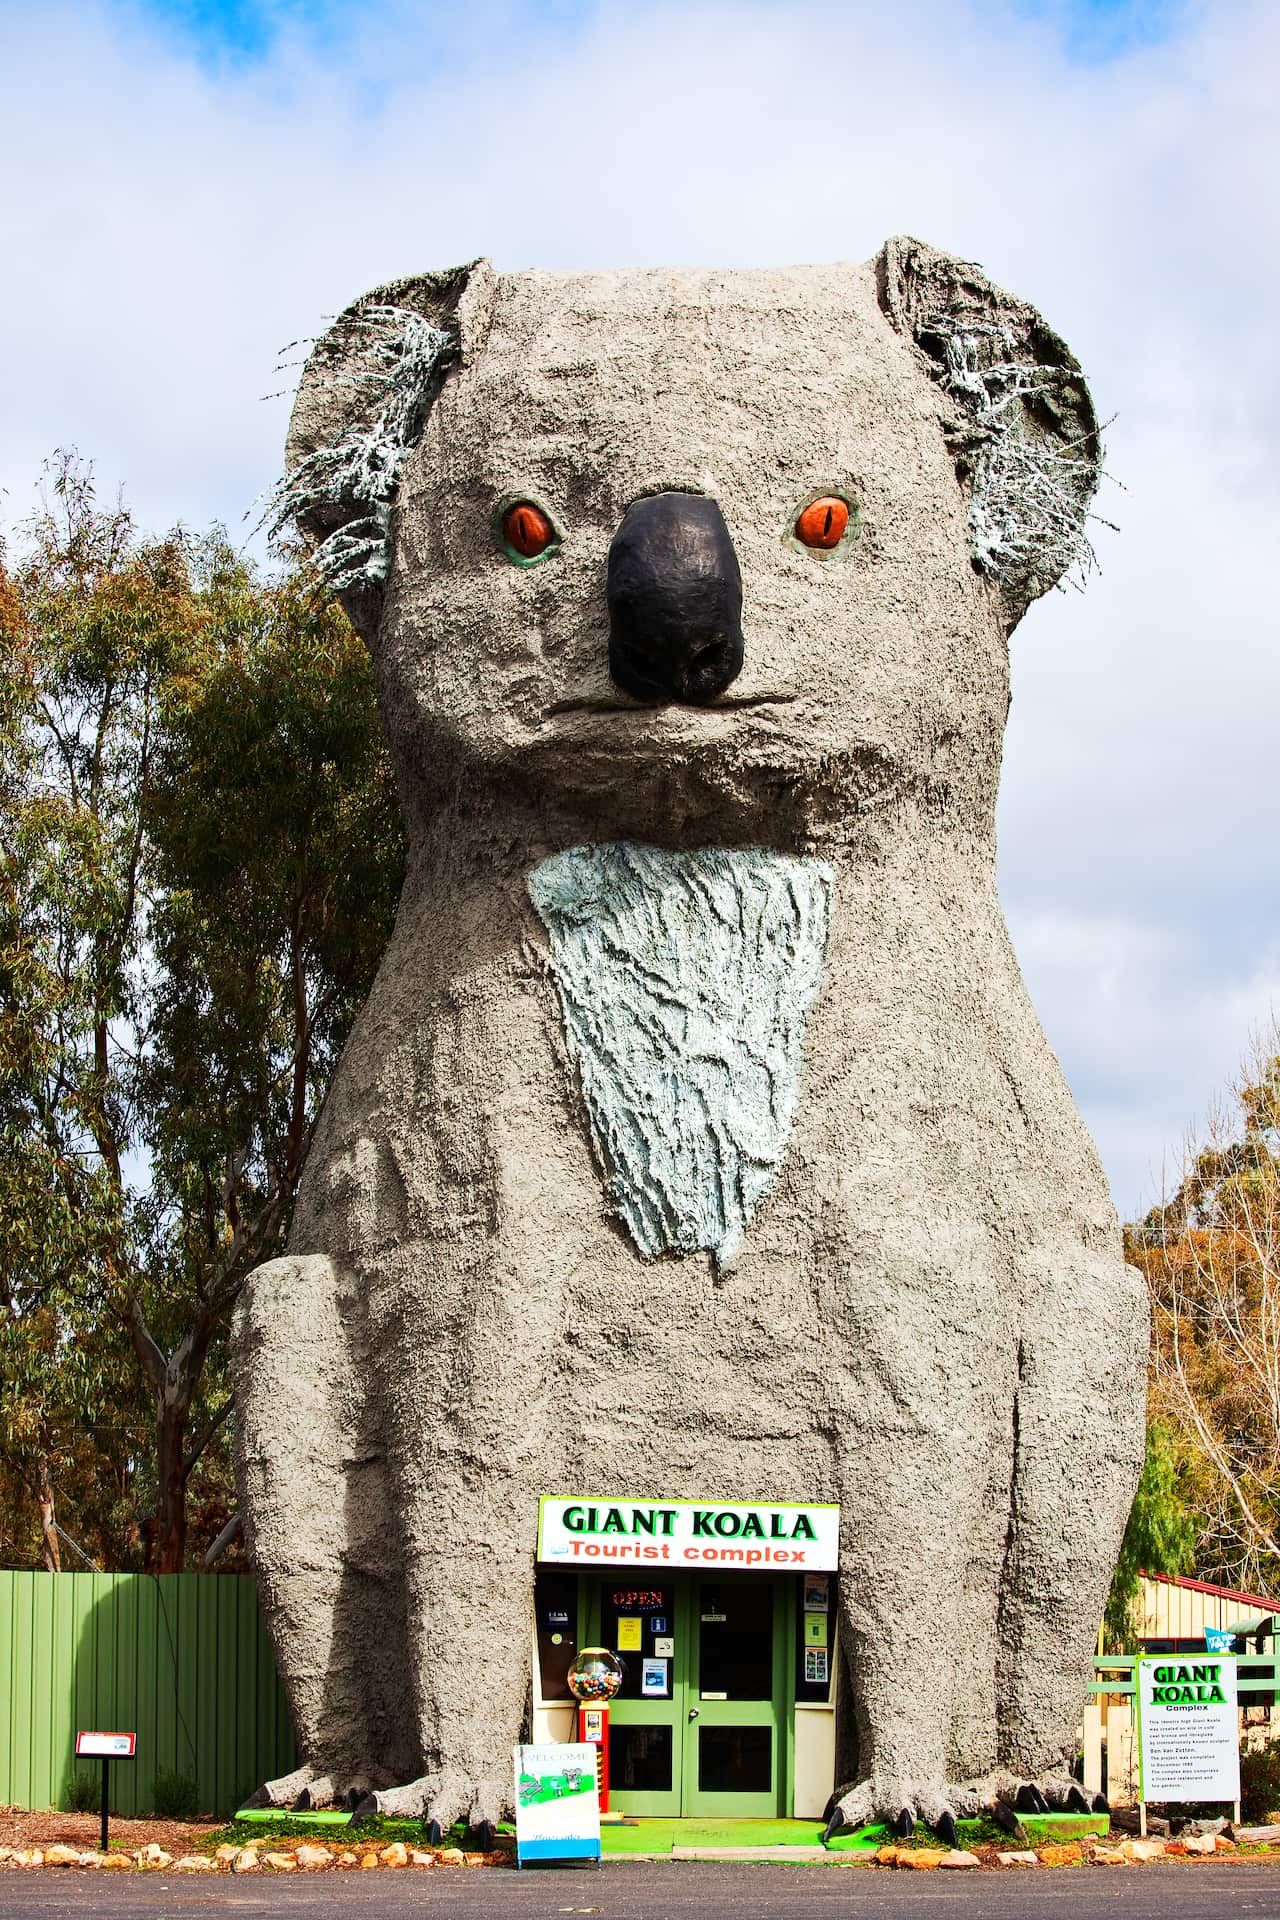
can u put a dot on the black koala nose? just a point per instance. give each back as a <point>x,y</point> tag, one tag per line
<point>675,600</point>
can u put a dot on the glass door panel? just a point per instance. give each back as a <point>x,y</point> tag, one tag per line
<point>733,1757</point>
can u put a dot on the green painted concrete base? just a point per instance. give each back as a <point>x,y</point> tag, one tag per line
<point>1038,1830</point>
<point>660,1836</point>
<point>1043,1828</point>
<point>272,1816</point>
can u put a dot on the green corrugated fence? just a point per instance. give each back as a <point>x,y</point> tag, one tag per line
<point>180,1659</point>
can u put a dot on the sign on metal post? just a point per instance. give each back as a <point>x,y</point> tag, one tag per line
<point>1188,1729</point>
<point>105,1747</point>
<point>557,1809</point>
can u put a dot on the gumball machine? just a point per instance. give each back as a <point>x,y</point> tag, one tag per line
<point>594,1678</point>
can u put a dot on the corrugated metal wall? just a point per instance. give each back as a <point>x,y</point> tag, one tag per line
<point>1170,1611</point>
<point>180,1659</point>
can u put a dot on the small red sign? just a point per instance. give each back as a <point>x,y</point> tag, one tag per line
<point>106,1746</point>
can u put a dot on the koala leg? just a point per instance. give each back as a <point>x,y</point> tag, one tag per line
<point>467,1442</point>
<point>928,1372</point>
<point>313,1494</point>
<point>1080,1433</point>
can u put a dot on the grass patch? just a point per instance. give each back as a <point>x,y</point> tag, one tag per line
<point>379,1831</point>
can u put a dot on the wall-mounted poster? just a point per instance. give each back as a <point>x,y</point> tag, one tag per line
<point>815,1666</point>
<point>816,1591</point>
<point>630,1638</point>
<point>654,1682</point>
<point>815,1629</point>
<point>557,1803</point>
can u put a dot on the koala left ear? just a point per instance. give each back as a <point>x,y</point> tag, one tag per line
<point>362,402</point>
<point>1020,421</point>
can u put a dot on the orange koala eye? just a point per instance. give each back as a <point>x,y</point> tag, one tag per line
<point>823,522</point>
<point>527,530</point>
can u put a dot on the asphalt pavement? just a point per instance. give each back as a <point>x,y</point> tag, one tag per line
<point>666,1890</point>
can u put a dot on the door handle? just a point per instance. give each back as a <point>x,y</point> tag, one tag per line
<point>694,1712</point>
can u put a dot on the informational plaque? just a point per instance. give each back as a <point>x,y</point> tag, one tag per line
<point>557,1803</point>
<point>1188,1728</point>
<point>106,1746</point>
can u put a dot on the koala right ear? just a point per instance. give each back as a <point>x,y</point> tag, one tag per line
<point>1018,417</point>
<point>362,402</point>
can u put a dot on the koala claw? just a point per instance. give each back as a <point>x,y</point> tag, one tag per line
<point>283,1792</point>
<point>899,1803</point>
<point>440,1799</point>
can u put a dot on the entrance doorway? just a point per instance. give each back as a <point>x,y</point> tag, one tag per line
<point>699,1727</point>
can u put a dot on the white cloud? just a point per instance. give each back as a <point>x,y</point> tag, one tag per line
<point>168,225</point>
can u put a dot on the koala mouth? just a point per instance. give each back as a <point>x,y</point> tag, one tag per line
<point>675,601</point>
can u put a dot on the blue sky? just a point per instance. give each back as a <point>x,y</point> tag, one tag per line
<point>247,29</point>
<point>187,184</point>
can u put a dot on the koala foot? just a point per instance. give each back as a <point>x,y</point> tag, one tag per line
<point>440,1799</point>
<point>319,1792</point>
<point>286,1791</point>
<point>899,1802</point>
<point>1051,1793</point>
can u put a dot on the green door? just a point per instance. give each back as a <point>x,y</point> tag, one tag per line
<point>734,1764</point>
<point>646,1623</point>
<point>712,1742</point>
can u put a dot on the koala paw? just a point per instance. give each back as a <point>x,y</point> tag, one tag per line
<point>440,1799</point>
<point>1051,1793</point>
<point>286,1791</point>
<point>899,1801</point>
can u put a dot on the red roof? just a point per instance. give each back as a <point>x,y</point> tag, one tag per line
<point>1220,1593</point>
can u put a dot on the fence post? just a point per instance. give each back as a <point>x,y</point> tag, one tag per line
<point>1092,1744</point>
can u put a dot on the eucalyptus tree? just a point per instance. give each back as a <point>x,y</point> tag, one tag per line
<point>200,857</point>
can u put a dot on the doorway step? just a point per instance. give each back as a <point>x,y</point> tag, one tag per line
<point>642,1838</point>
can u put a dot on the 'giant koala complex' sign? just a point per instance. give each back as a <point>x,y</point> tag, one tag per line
<point>698,1137</point>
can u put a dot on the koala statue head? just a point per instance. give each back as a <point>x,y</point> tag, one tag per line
<point>657,542</point>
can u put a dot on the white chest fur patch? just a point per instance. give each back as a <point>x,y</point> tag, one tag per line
<point>684,980</point>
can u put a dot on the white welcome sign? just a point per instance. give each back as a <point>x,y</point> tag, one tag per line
<point>557,1802</point>
<point>1188,1728</point>
<point>708,1534</point>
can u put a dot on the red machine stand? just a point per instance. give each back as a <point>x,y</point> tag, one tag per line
<point>593,1731</point>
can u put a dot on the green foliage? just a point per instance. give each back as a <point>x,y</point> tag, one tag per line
<point>200,856</point>
<point>176,1796</point>
<point>1259,1783</point>
<point>1211,1258</point>
<point>83,1791</point>
<point>1160,1536</point>
<point>379,1831</point>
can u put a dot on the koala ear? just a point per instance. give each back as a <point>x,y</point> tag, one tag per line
<point>362,402</point>
<point>1018,417</point>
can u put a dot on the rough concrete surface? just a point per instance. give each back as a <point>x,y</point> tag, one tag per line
<point>927,1318</point>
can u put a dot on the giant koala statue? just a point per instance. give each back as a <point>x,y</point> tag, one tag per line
<point>689,596</point>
